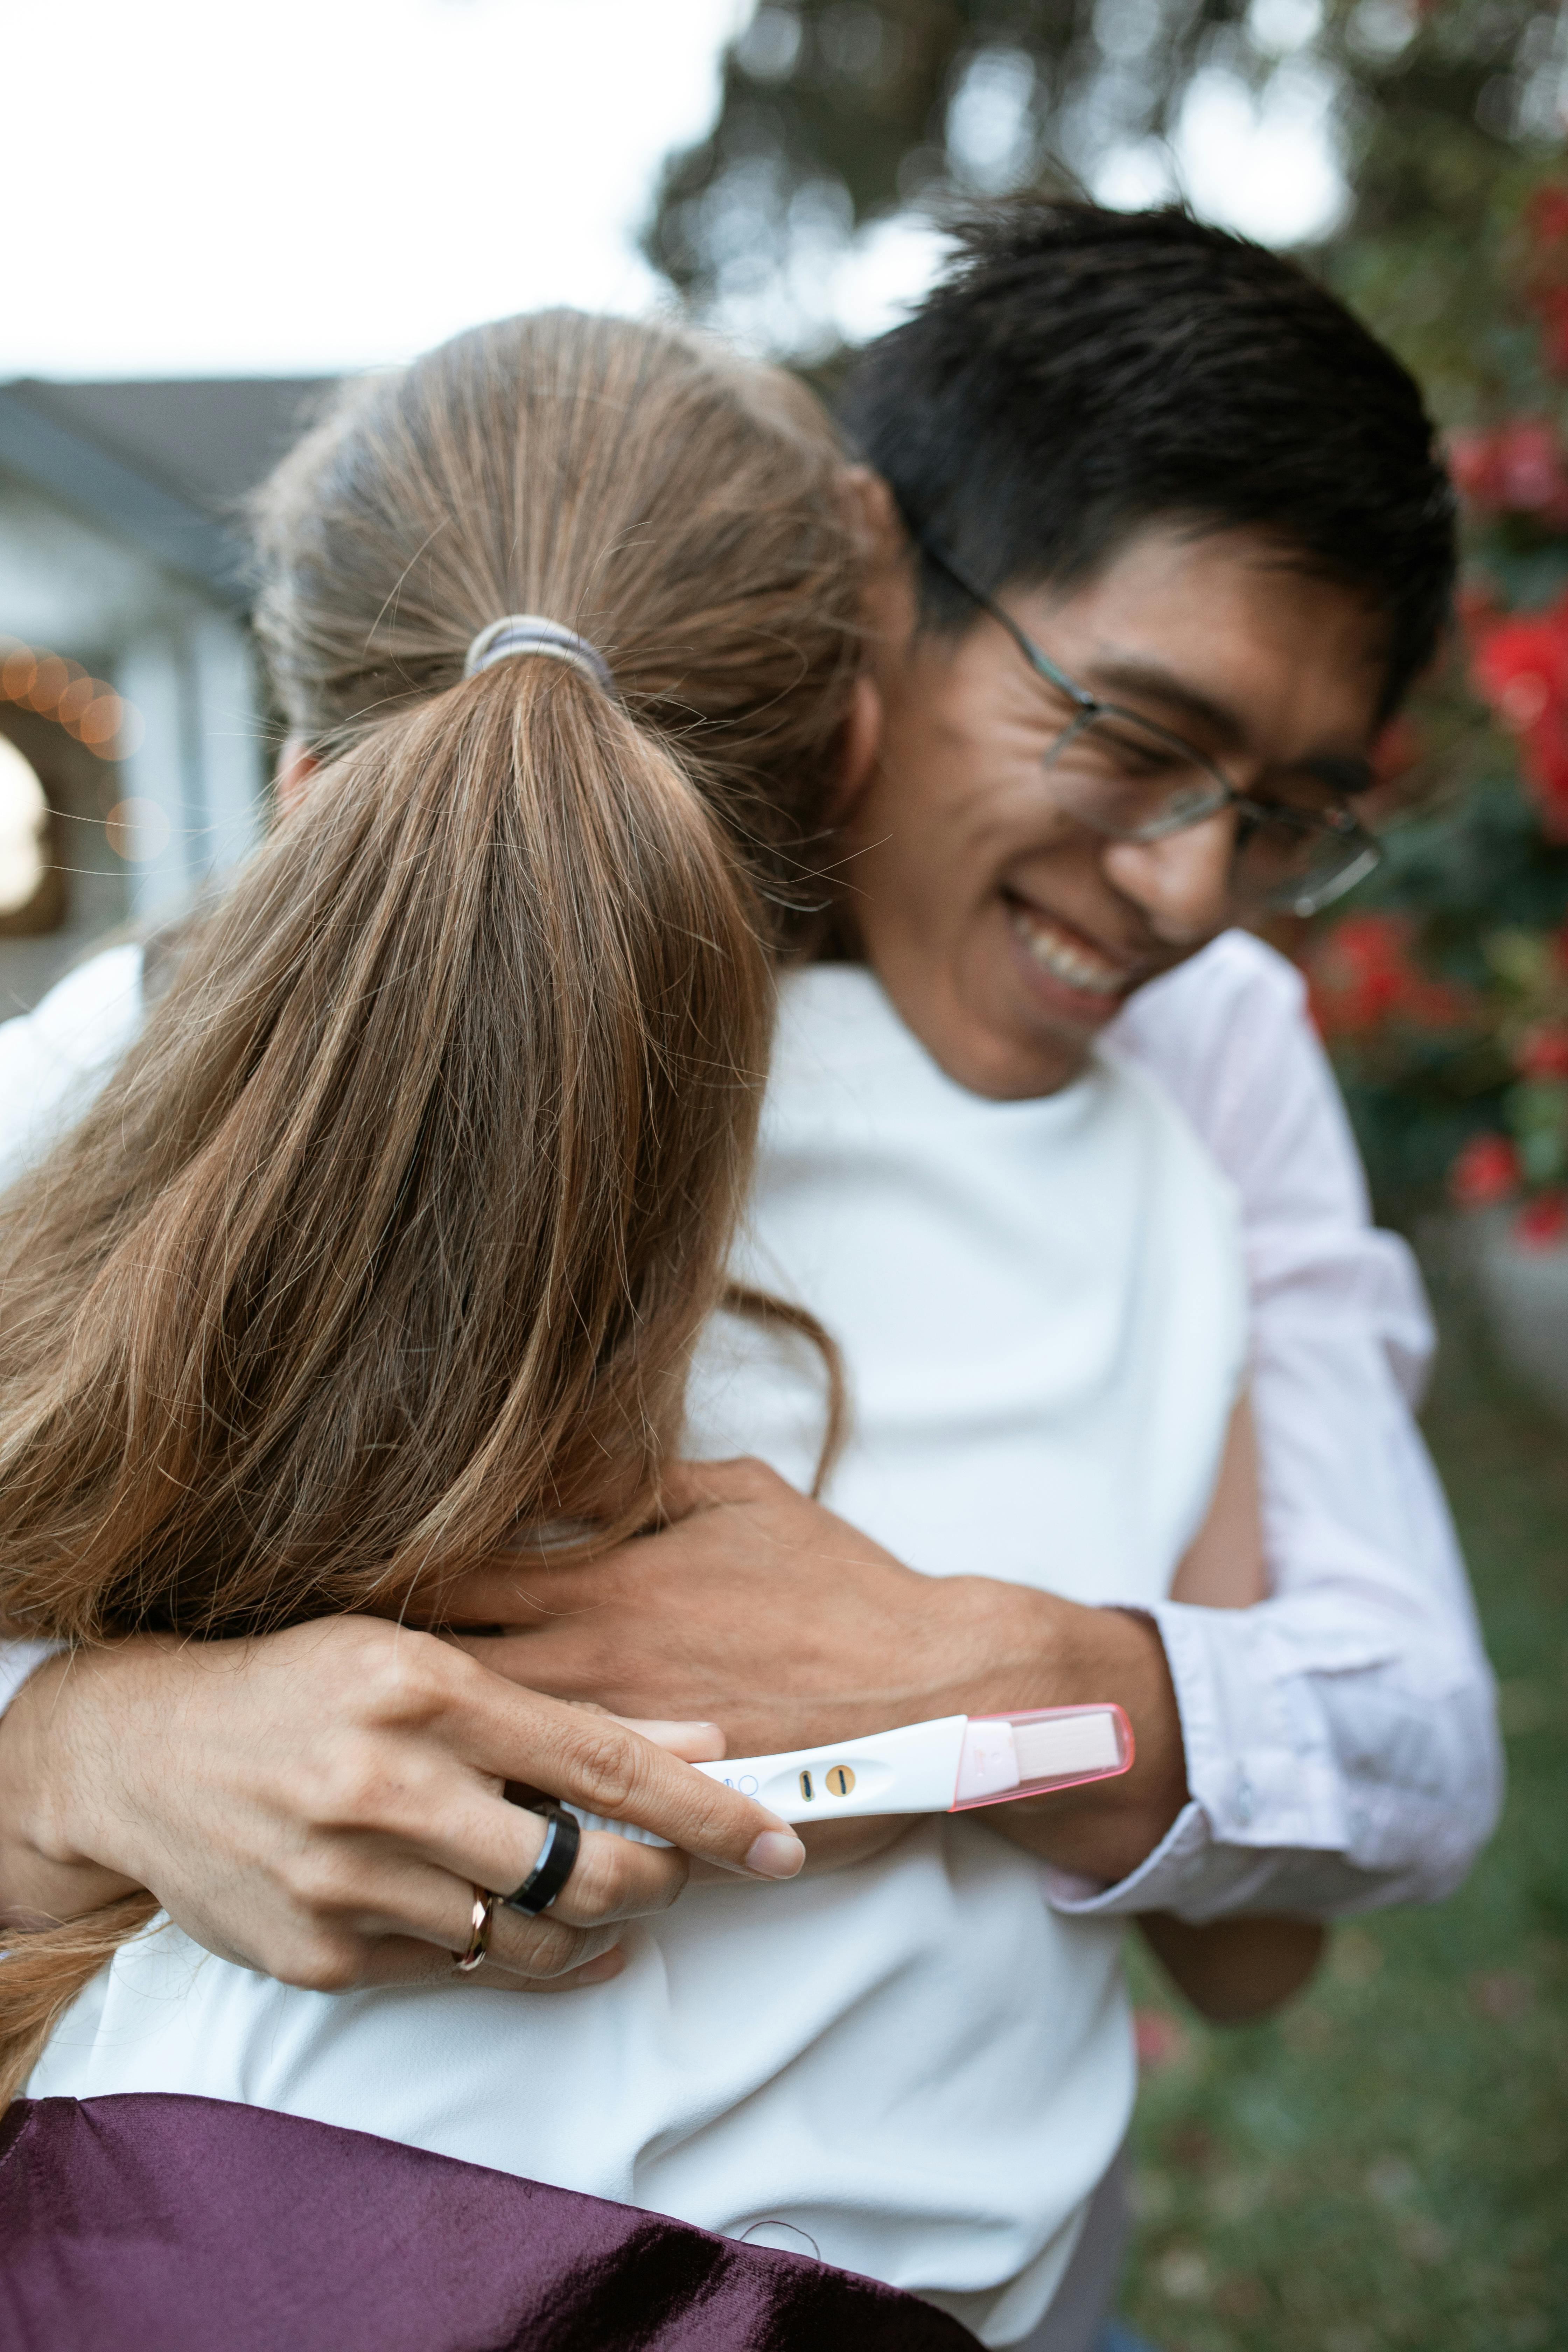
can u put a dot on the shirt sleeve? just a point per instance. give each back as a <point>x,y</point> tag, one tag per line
<point>53,1061</point>
<point>1341,1741</point>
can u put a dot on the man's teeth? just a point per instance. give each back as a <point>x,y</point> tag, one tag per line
<point>1063,957</point>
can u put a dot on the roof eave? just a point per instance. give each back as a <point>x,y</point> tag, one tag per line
<point>120,500</point>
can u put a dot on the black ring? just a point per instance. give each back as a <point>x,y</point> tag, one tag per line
<point>554,1864</point>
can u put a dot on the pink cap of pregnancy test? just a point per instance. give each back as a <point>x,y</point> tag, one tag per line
<point>1008,1756</point>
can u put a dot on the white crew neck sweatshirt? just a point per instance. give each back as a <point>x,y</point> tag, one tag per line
<point>915,2065</point>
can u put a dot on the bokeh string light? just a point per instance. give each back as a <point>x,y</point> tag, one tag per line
<point>62,691</point>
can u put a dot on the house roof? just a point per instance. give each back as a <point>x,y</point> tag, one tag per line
<point>164,465</point>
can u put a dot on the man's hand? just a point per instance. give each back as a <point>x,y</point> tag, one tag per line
<point>761,1611</point>
<point>319,1804</point>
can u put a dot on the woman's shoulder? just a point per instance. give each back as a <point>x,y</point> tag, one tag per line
<point>54,1058</point>
<point>91,1014</point>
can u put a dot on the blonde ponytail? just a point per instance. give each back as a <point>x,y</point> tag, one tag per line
<point>393,1236</point>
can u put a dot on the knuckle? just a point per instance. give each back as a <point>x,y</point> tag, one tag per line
<point>599,1878</point>
<point>606,1774</point>
<point>327,1963</point>
<point>549,1947</point>
<point>654,1885</point>
<point>351,1787</point>
<point>616,1878</point>
<point>403,1676</point>
<point>321,1883</point>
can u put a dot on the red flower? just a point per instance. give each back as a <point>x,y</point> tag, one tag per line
<point>1520,668</point>
<point>1358,973</point>
<point>1515,468</point>
<point>1542,1051</point>
<point>1543,1223</point>
<point>1361,975</point>
<point>1486,1171</point>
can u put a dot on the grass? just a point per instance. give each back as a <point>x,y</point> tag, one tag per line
<point>1386,2164</point>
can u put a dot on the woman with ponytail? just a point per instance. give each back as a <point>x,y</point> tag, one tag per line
<point>372,1280</point>
<point>384,1249</point>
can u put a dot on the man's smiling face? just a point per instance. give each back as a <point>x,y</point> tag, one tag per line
<point>1006,932</point>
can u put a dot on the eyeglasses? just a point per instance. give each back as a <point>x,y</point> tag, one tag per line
<point>1129,779</point>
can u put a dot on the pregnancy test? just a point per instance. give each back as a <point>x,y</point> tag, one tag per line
<point>943,1766</point>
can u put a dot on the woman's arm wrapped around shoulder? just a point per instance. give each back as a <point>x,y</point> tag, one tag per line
<point>314,1803</point>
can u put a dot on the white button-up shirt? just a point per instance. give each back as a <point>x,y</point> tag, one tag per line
<point>1341,1741</point>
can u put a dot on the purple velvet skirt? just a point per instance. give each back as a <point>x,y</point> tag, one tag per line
<point>165,2224</point>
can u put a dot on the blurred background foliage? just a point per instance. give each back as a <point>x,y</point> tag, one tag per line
<point>848,127</point>
<point>1381,2168</point>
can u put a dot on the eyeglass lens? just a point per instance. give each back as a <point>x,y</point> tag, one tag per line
<point>1132,782</point>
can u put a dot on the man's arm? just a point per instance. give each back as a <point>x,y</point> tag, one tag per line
<point>1340,1740</point>
<point>1331,1750</point>
<point>786,1626</point>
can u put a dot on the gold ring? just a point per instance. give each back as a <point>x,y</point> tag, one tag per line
<point>479,1932</point>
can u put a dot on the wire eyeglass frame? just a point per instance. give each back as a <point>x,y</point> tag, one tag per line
<point>1339,830</point>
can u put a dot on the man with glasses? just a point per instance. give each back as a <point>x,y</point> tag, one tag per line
<point>1168,540</point>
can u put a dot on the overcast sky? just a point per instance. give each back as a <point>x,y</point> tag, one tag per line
<point>212,188</point>
<point>194,188</point>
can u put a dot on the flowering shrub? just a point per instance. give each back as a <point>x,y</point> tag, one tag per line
<point>1528,1161</point>
<point>1486,1171</point>
<point>1443,993</point>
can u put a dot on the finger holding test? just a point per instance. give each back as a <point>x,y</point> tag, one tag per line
<point>456,1824</point>
<point>603,1767</point>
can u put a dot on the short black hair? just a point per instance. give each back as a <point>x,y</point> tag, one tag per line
<point>1078,372</point>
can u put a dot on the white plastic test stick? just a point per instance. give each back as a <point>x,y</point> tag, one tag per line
<point>944,1767</point>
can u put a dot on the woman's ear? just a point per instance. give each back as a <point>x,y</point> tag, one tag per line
<point>296,763</point>
<point>876,518</point>
<point>861,745</point>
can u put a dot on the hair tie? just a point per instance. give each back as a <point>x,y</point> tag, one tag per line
<point>530,633</point>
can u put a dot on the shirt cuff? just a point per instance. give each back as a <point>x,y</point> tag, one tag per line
<point>1254,1796</point>
<point>1269,1823</point>
<point>1162,1880</point>
<point>17,1661</point>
